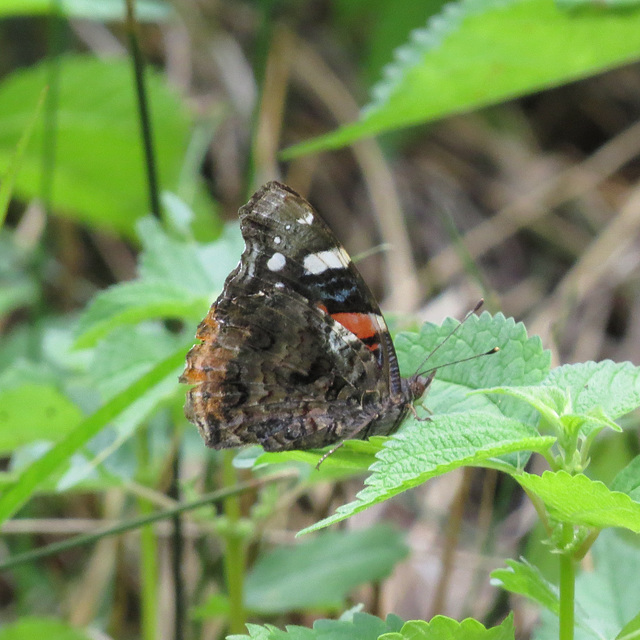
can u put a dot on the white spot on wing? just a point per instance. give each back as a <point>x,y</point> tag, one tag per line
<point>287,227</point>
<point>316,263</point>
<point>276,262</point>
<point>279,285</point>
<point>308,218</point>
<point>277,239</point>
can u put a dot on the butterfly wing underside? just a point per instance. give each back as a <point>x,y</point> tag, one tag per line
<point>294,353</point>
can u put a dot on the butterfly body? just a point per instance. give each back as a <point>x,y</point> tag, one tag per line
<point>294,353</point>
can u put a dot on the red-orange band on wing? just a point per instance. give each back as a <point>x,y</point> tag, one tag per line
<point>360,324</point>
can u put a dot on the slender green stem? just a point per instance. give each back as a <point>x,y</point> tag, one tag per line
<point>234,560</point>
<point>567,586</point>
<point>148,550</point>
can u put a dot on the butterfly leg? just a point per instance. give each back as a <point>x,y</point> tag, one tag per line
<point>417,417</point>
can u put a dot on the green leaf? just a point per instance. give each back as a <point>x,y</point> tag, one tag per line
<point>443,628</point>
<point>34,475</point>
<point>423,450</point>
<point>521,360</point>
<point>103,10</point>
<point>580,501</point>
<point>33,413</point>
<point>119,360</point>
<point>526,580</point>
<point>481,52</point>
<point>319,574</point>
<point>554,405</point>
<point>178,279</point>
<point>628,480</point>
<point>610,386</point>
<point>29,628</point>
<point>133,302</point>
<point>361,627</point>
<point>99,169</point>
<point>199,268</point>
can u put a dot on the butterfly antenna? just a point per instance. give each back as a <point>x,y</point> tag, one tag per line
<point>448,364</point>
<point>453,331</point>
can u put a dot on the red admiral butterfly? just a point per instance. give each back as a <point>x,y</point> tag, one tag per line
<point>295,353</point>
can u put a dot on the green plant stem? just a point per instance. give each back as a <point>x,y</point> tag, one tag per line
<point>234,560</point>
<point>567,586</point>
<point>148,549</point>
<point>538,505</point>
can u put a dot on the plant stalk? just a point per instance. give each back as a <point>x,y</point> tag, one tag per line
<point>148,550</point>
<point>567,586</point>
<point>234,560</point>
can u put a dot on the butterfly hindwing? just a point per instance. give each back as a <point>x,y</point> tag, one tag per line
<point>269,379</point>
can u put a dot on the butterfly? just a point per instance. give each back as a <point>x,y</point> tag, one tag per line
<point>294,353</point>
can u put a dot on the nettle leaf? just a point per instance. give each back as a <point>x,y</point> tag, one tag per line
<point>612,387</point>
<point>578,500</point>
<point>423,450</point>
<point>606,600</point>
<point>628,480</point>
<point>521,360</point>
<point>177,279</point>
<point>480,52</point>
<point>319,574</point>
<point>443,628</point>
<point>362,626</point>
